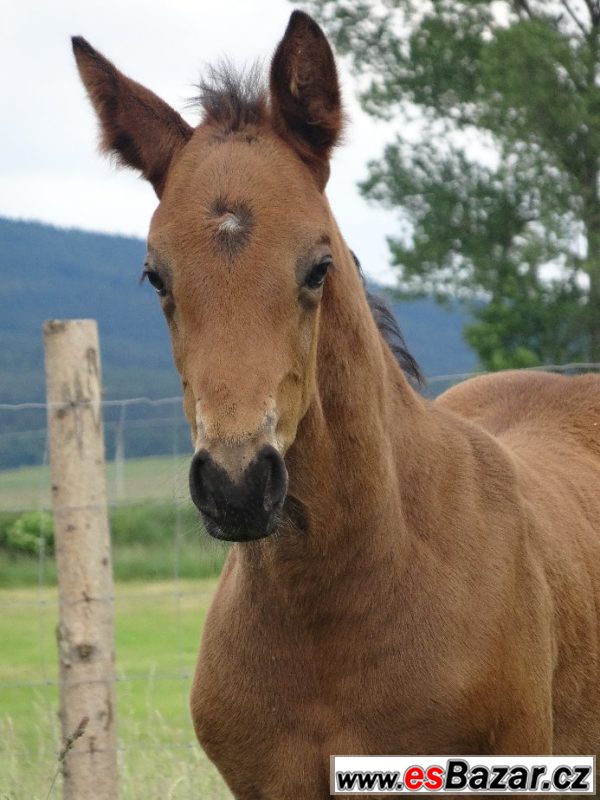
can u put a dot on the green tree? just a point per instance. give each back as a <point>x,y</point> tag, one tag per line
<point>517,231</point>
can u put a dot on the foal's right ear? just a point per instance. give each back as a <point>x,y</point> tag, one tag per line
<point>305,94</point>
<point>137,126</point>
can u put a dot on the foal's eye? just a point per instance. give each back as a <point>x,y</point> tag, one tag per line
<point>156,281</point>
<point>317,274</point>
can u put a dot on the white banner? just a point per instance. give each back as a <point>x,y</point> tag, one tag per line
<point>396,775</point>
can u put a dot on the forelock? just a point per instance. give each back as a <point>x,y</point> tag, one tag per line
<point>233,99</point>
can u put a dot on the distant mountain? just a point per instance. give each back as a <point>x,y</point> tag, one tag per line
<point>49,272</point>
<point>52,273</point>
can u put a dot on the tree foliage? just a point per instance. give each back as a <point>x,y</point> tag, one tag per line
<point>499,192</point>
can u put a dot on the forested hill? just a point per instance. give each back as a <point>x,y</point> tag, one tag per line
<point>53,273</point>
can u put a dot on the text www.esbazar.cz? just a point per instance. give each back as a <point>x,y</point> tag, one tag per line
<point>470,777</point>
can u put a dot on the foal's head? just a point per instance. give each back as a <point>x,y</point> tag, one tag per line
<point>238,251</point>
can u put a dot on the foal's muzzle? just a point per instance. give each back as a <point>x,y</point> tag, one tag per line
<point>244,510</point>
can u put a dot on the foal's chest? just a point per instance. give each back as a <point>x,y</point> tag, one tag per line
<point>271,703</point>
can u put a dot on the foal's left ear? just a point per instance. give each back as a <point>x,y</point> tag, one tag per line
<point>305,94</point>
<point>138,127</point>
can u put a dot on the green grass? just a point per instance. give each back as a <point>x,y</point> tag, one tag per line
<point>156,534</point>
<point>149,542</point>
<point>154,478</point>
<point>192,559</point>
<point>156,537</point>
<point>158,627</point>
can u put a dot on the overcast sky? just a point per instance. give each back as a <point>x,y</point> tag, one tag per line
<point>50,169</point>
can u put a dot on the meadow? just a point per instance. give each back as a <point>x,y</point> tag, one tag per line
<point>165,570</point>
<point>135,479</point>
<point>156,533</point>
<point>158,628</point>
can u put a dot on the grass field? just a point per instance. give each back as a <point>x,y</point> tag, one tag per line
<point>156,478</point>
<point>157,629</point>
<point>195,555</point>
<point>155,530</point>
<point>156,535</point>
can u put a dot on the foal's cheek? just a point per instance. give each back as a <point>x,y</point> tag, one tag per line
<point>309,339</point>
<point>177,347</point>
<point>176,341</point>
<point>289,406</point>
<point>189,407</point>
<point>299,387</point>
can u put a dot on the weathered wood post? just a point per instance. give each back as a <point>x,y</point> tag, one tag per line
<point>85,631</point>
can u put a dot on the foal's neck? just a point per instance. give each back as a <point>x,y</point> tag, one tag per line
<point>361,435</point>
<point>345,467</point>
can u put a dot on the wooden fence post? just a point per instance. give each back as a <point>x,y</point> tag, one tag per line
<point>86,629</point>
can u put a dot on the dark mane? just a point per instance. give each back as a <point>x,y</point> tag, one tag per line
<point>390,331</point>
<point>231,99</point>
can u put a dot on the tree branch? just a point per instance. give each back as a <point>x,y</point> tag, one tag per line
<point>566,5</point>
<point>523,7</point>
<point>594,9</point>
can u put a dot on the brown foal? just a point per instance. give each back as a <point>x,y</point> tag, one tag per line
<point>408,577</point>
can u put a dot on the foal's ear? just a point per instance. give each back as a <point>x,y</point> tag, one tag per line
<point>137,126</point>
<point>305,93</point>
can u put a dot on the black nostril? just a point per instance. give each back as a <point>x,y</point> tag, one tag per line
<point>275,476</point>
<point>203,488</point>
<point>245,508</point>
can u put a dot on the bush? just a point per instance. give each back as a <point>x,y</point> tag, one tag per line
<point>27,533</point>
<point>7,518</point>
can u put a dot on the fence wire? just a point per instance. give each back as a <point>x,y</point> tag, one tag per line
<point>148,448</point>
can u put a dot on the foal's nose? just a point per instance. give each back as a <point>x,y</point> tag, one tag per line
<point>244,509</point>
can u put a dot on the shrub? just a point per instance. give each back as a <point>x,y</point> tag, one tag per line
<point>28,531</point>
<point>7,519</point>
